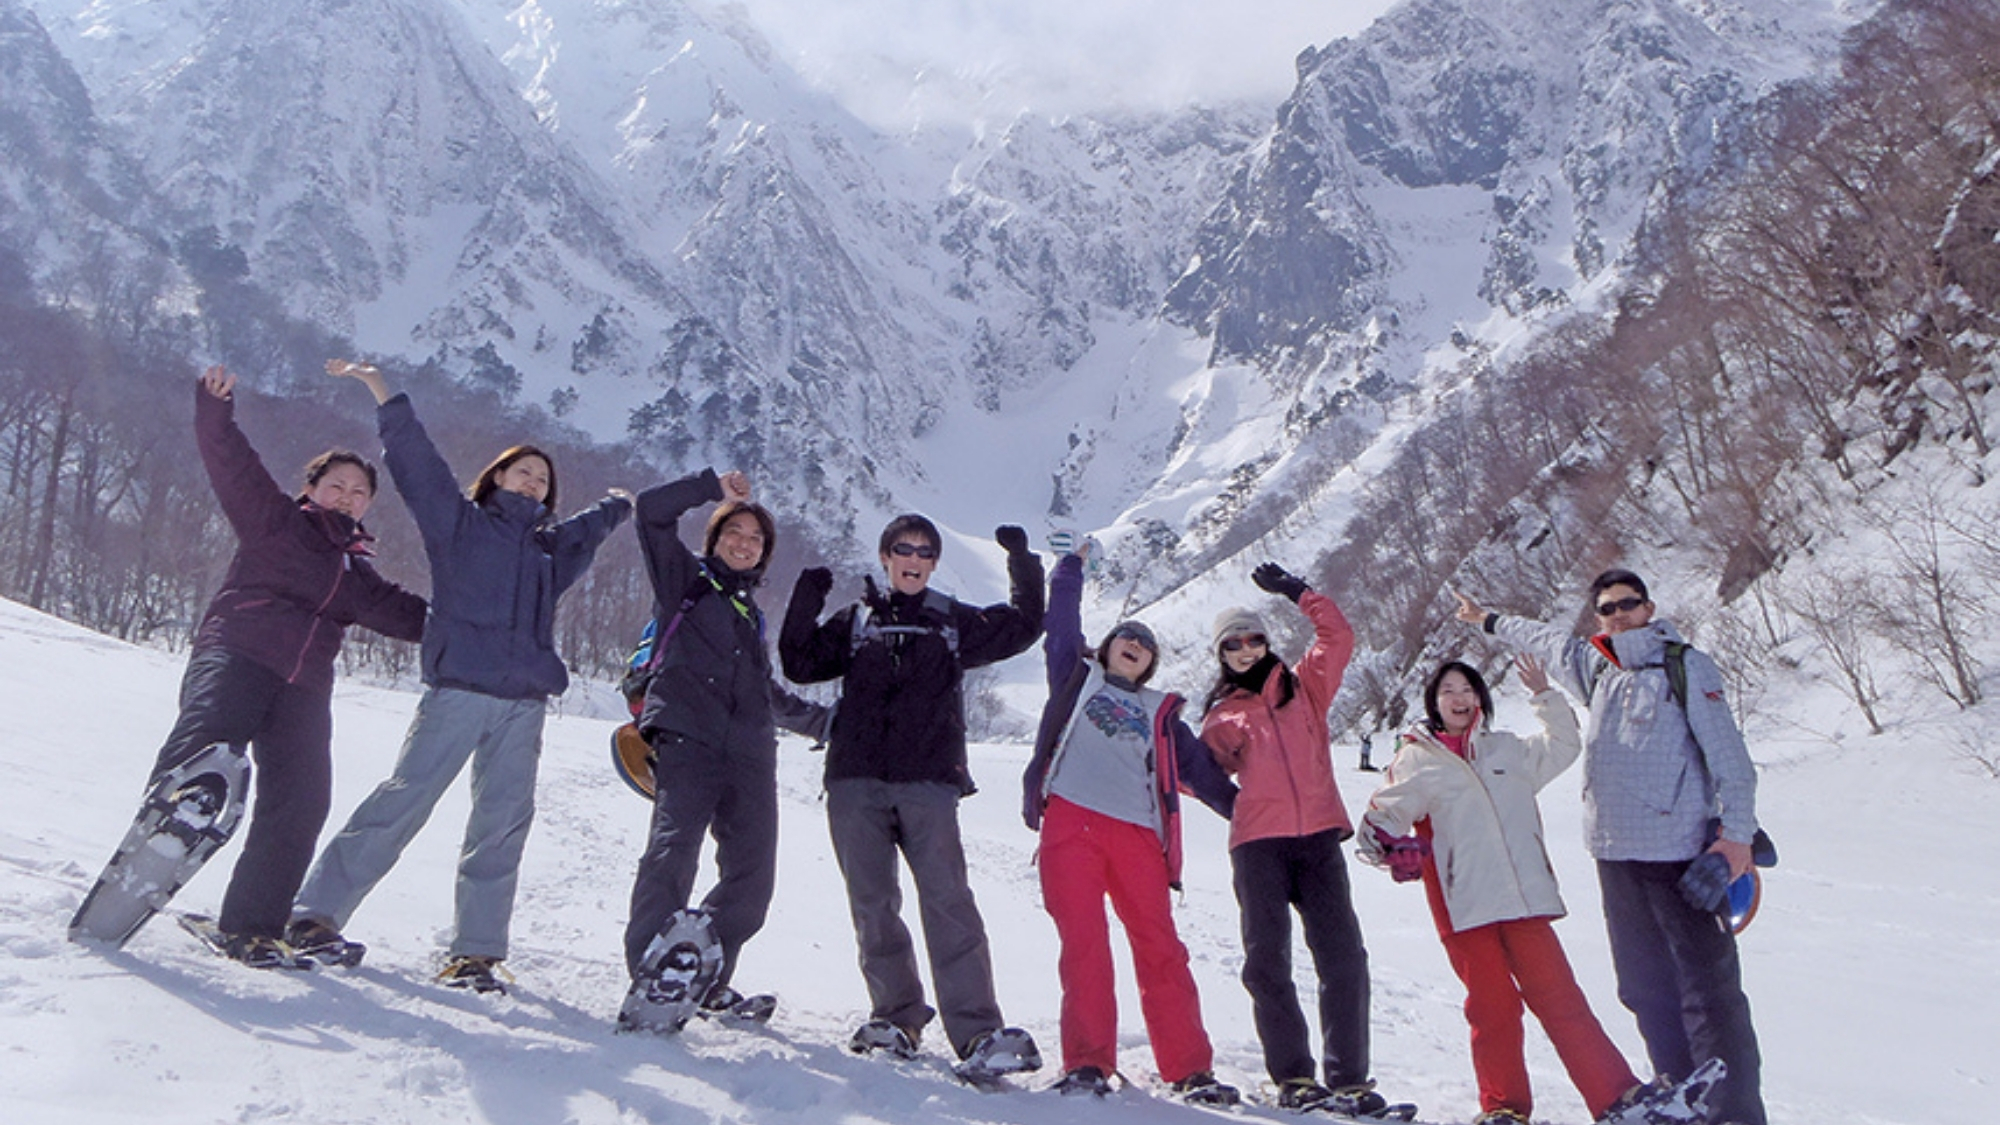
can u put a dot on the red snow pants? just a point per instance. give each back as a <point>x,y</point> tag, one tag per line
<point>1506,965</point>
<point>1086,857</point>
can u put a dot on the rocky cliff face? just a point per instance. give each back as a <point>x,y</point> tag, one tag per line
<point>1176,327</point>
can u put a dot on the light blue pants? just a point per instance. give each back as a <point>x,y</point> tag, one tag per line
<point>503,740</point>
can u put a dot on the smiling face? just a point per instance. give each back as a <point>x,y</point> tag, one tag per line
<point>1629,608</point>
<point>908,570</point>
<point>1457,702</point>
<point>1241,653</point>
<point>527,477</point>
<point>342,488</point>
<point>1127,658</point>
<point>740,543</point>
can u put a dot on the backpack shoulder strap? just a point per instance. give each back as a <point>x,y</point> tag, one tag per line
<point>1677,671</point>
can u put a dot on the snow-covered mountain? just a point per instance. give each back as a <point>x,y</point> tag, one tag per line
<point>1169,329</point>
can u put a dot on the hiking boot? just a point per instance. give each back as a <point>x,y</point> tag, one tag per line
<point>259,952</point>
<point>724,1002</point>
<point>1302,1094</point>
<point>1359,1100</point>
<point>882,1035</point>
<point>1203,1088</point>
<point>314,940</point>
<point>480,974</point>
<point>1007,1050</point>
<point>1501,1117</point>
<point>1083,1080</point>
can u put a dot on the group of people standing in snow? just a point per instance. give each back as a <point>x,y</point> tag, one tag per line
<point>1667,778</point>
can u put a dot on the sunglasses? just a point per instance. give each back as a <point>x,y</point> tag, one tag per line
<point>1238,644</point>
<point>1622,605</point>
<point>905,550</point>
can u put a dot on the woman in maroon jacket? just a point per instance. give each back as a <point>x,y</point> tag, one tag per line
<point>261,669</point>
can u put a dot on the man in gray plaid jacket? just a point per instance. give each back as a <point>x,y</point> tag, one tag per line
<point>1665,782</point>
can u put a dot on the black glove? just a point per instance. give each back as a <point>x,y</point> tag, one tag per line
<point>1705,883</point>
<point>1013,539</point>
<point>1276,579</point>
<point>814,582</point>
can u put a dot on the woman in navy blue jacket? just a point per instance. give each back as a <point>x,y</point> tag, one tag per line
<point>261,669</point>
<point>498,564</point>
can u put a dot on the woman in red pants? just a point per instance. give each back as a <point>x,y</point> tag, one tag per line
<point>1111,758</point>
<point>1459,812</point>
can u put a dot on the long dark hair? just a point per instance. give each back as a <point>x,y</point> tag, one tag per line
<point>1252,680</point>
<point>1431,716</point>
<point>489,477</point>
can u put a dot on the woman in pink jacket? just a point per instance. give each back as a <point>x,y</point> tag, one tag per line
<point>1459,812</point>
<point>1267,725</point>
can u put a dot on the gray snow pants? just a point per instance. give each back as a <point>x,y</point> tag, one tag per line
<point>870,822</point>
<point>503,740</point>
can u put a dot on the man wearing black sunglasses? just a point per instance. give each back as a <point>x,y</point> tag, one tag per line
<point>895,772</point>
<point>1660,767</point>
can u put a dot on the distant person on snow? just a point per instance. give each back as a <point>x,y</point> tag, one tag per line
<point>1103,788</point>
<point>1460,797</point>
<point>710,713</point>
<point>1267,725</point>
<point>895,772</point>
<point>261,669</point>
<point>498,562</point>
<point>1665,786</point>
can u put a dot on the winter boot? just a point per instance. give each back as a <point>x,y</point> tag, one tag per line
<point>480,974</point>
<point>730,1006</point>
<point>1007,1050</point>
<point>1203,1088</point>
<point>314,940</point>
<point>1083,1080</point>
<point>884,1037</point>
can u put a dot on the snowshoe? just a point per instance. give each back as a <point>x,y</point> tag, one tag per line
<point>476,974</point>
<point>1203,1088</point>
<point>315,941</point>
<point>1359,1103</point>
<point>679,967</point>
<point>730,1006</point>
<point>1680,1103</point>
<point>188,814</point>
<point>256,951</point>
<point>884,1037</point>
<point>1084,1080</point>
<point>995,1054</point>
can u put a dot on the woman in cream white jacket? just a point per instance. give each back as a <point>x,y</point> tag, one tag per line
<point>1459,812</point>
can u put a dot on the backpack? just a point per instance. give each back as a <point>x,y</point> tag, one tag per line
<point>645,660</point>
<point>936,604</point>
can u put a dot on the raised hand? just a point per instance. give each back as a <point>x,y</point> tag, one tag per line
<point>368,374</point>
<point>1011,538</point>
<point>1275,579</point>
<point>735,487</point>
<point>1469,611</point>
<point>218,382</point>
<point>814,582</point>
<point>1534,677</point>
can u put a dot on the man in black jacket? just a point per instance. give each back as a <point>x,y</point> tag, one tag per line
<point>895,771</point>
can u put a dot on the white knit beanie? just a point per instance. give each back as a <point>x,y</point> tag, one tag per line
<point>1237,621</point>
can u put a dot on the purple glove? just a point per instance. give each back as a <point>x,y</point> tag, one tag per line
<point>1405,854</point>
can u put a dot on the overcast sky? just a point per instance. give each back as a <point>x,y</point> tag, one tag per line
<point>896,60</point>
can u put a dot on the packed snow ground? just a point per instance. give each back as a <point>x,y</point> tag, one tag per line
<point>1871,966</point>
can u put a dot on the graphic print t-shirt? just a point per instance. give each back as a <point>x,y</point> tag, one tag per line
<point>1104,766</point>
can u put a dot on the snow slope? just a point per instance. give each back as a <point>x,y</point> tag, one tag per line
<point>1870,967</point>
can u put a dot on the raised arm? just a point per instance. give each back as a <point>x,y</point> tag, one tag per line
<point>251,499</point>
<point>1000,631</point>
